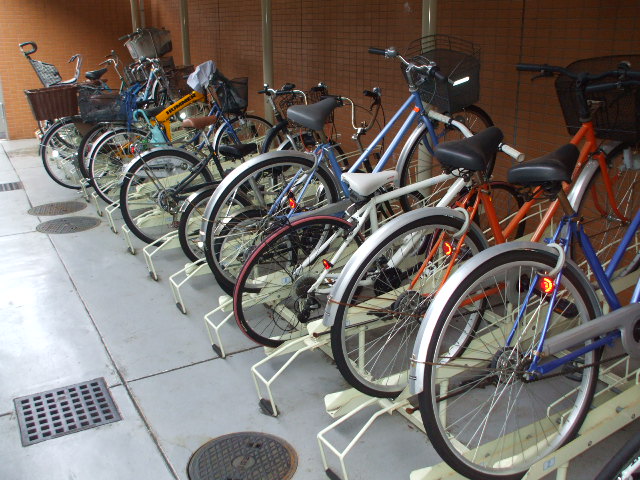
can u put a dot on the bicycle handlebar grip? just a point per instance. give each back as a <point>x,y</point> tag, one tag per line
<point>124,37</point>
<point>603,87</point>
<point>439,76</point>
<point>288,86</point>
<point>512,152</point>
<point>33,45</point>
<point>530,67</point>
<point>377,51</point>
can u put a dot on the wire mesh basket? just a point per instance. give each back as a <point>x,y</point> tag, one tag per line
<point>616,113</point>
<point>99,106</point>
<point>149,42</point>
<point>53,102</point>
<point>177,77</point>
<point>233,95</point>
<point>134,73</point>
<point>313,95</point>
<point>456,58</point>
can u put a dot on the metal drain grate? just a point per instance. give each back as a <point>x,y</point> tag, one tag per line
<point>65,410</point>
<point>68,225</point>
<point>7,187</point>
<point>57,208</point>
<point>243,456</point>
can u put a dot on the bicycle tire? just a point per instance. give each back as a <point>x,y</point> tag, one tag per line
<point>277,140</point>
<point>148,202</point>
<point>59,152</point>
<point>86,145</point>
<point>286,264</point>
<point>417,163</point>
<point>628,456</point>
<point>108,159</point>
<point>377,314</point>
<point>516,423</point>
<point>190,221</point>
<point>248,129</point>
<point>603,227</point>
<point>235,196</point>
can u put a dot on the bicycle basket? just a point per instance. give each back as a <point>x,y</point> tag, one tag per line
<point>100,106</point>
<point>617,112</point>
<point>53,102</point>
<point>149,42</point>
<point>456,58</point>
<point>47,73</point>
<point>178,86</point>
<point>233,95</point>
<point>134,74</point>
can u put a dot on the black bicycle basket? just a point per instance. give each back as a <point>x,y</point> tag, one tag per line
<point>233,95</point>
<point>616,113</point>
<point>456,58</point>
<point>100,106</point>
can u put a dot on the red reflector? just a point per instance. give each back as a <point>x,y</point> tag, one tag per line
<point>327,264</point>
<point>292,201</point>
<point>447,248</point>
<point>547,284</point>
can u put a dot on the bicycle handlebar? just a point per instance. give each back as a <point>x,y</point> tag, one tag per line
<point>377,51</point>
<point>584,76</point>
<point>431,70</point>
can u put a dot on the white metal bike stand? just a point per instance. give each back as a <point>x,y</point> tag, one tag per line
<point>127,239</point>
<point>94,197</point>
<point>109,209</point>
<point>297,346</point>
<point>225,305</point>
<point>168,241</point>
<point>190,270</point>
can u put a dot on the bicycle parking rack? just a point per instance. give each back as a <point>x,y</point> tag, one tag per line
<point>127,239</point>
<point>166,242</point>
<point>109,209</point>
<point>225,305</point>
<point>190,270</point>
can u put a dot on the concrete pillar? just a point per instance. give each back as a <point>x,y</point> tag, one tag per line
<point>135,15</point>
<point>184,27</point>
<point>267,53</point>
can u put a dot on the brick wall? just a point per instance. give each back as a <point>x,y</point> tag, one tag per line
<point>60,28</point>
<point>328,42</point>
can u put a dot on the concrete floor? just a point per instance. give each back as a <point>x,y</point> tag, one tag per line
<point>78,306</point>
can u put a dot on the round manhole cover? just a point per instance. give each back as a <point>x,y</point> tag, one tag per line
<point>244,456</point>
<point>57,208</point>
<point>68,225</point>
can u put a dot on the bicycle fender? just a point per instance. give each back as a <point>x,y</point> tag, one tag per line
<point>370,243</point>
<point>404,153</point>
<point>240,170</point>
<point>426,332</point>
<point>166,149</point>
<point>580,184</point>
<point>191,198</point>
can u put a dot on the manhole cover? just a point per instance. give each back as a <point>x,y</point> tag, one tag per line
<point>54,413</point>
<point>57,208</point>
<point>7,187</point>
<point>68,225</point>
<point>243,456</point>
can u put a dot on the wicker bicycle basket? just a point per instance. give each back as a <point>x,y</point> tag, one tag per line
<point>459,60</point>
<point>616,113</point>
<point>53,102</point>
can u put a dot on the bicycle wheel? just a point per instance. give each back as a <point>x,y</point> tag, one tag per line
<point>247,129</point>
<point>190,221</point>
<point>384,293</point>
<point>625,464</point>
<point>601,223</point>
<point>59,152</point>
<point>416,163</point>
<point>88,140</point>
<point>153,190</point>
<point>237,217</point>
<point>273,300</point>
<point>507,202</point>
<point>486,417</point>
<point>112,152</point>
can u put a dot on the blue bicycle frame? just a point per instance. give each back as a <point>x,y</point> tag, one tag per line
<point>325,151</point>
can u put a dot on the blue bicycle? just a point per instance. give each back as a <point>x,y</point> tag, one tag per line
<point>276,185</point>
<point>506,361</point>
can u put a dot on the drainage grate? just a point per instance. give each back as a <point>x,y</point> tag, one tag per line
<point>65,410</point>
<point>244,456</point>
<point>68,225</point>
<point>57,208</point>
<point>7,187</point>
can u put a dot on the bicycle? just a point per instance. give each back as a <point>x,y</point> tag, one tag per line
<point>244,206</point>
<point>390,310</point>
<point>506,360</point>
<point>625,464</point>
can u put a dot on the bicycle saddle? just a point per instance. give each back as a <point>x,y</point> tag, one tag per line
<point>152,112</point>
<point>313,116</point>
<point>472,153</point>
<point>199,122</point>
<point>366,183</point>
<point>95,74</point>
<point>556,166</point>
<point>238,151</point>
